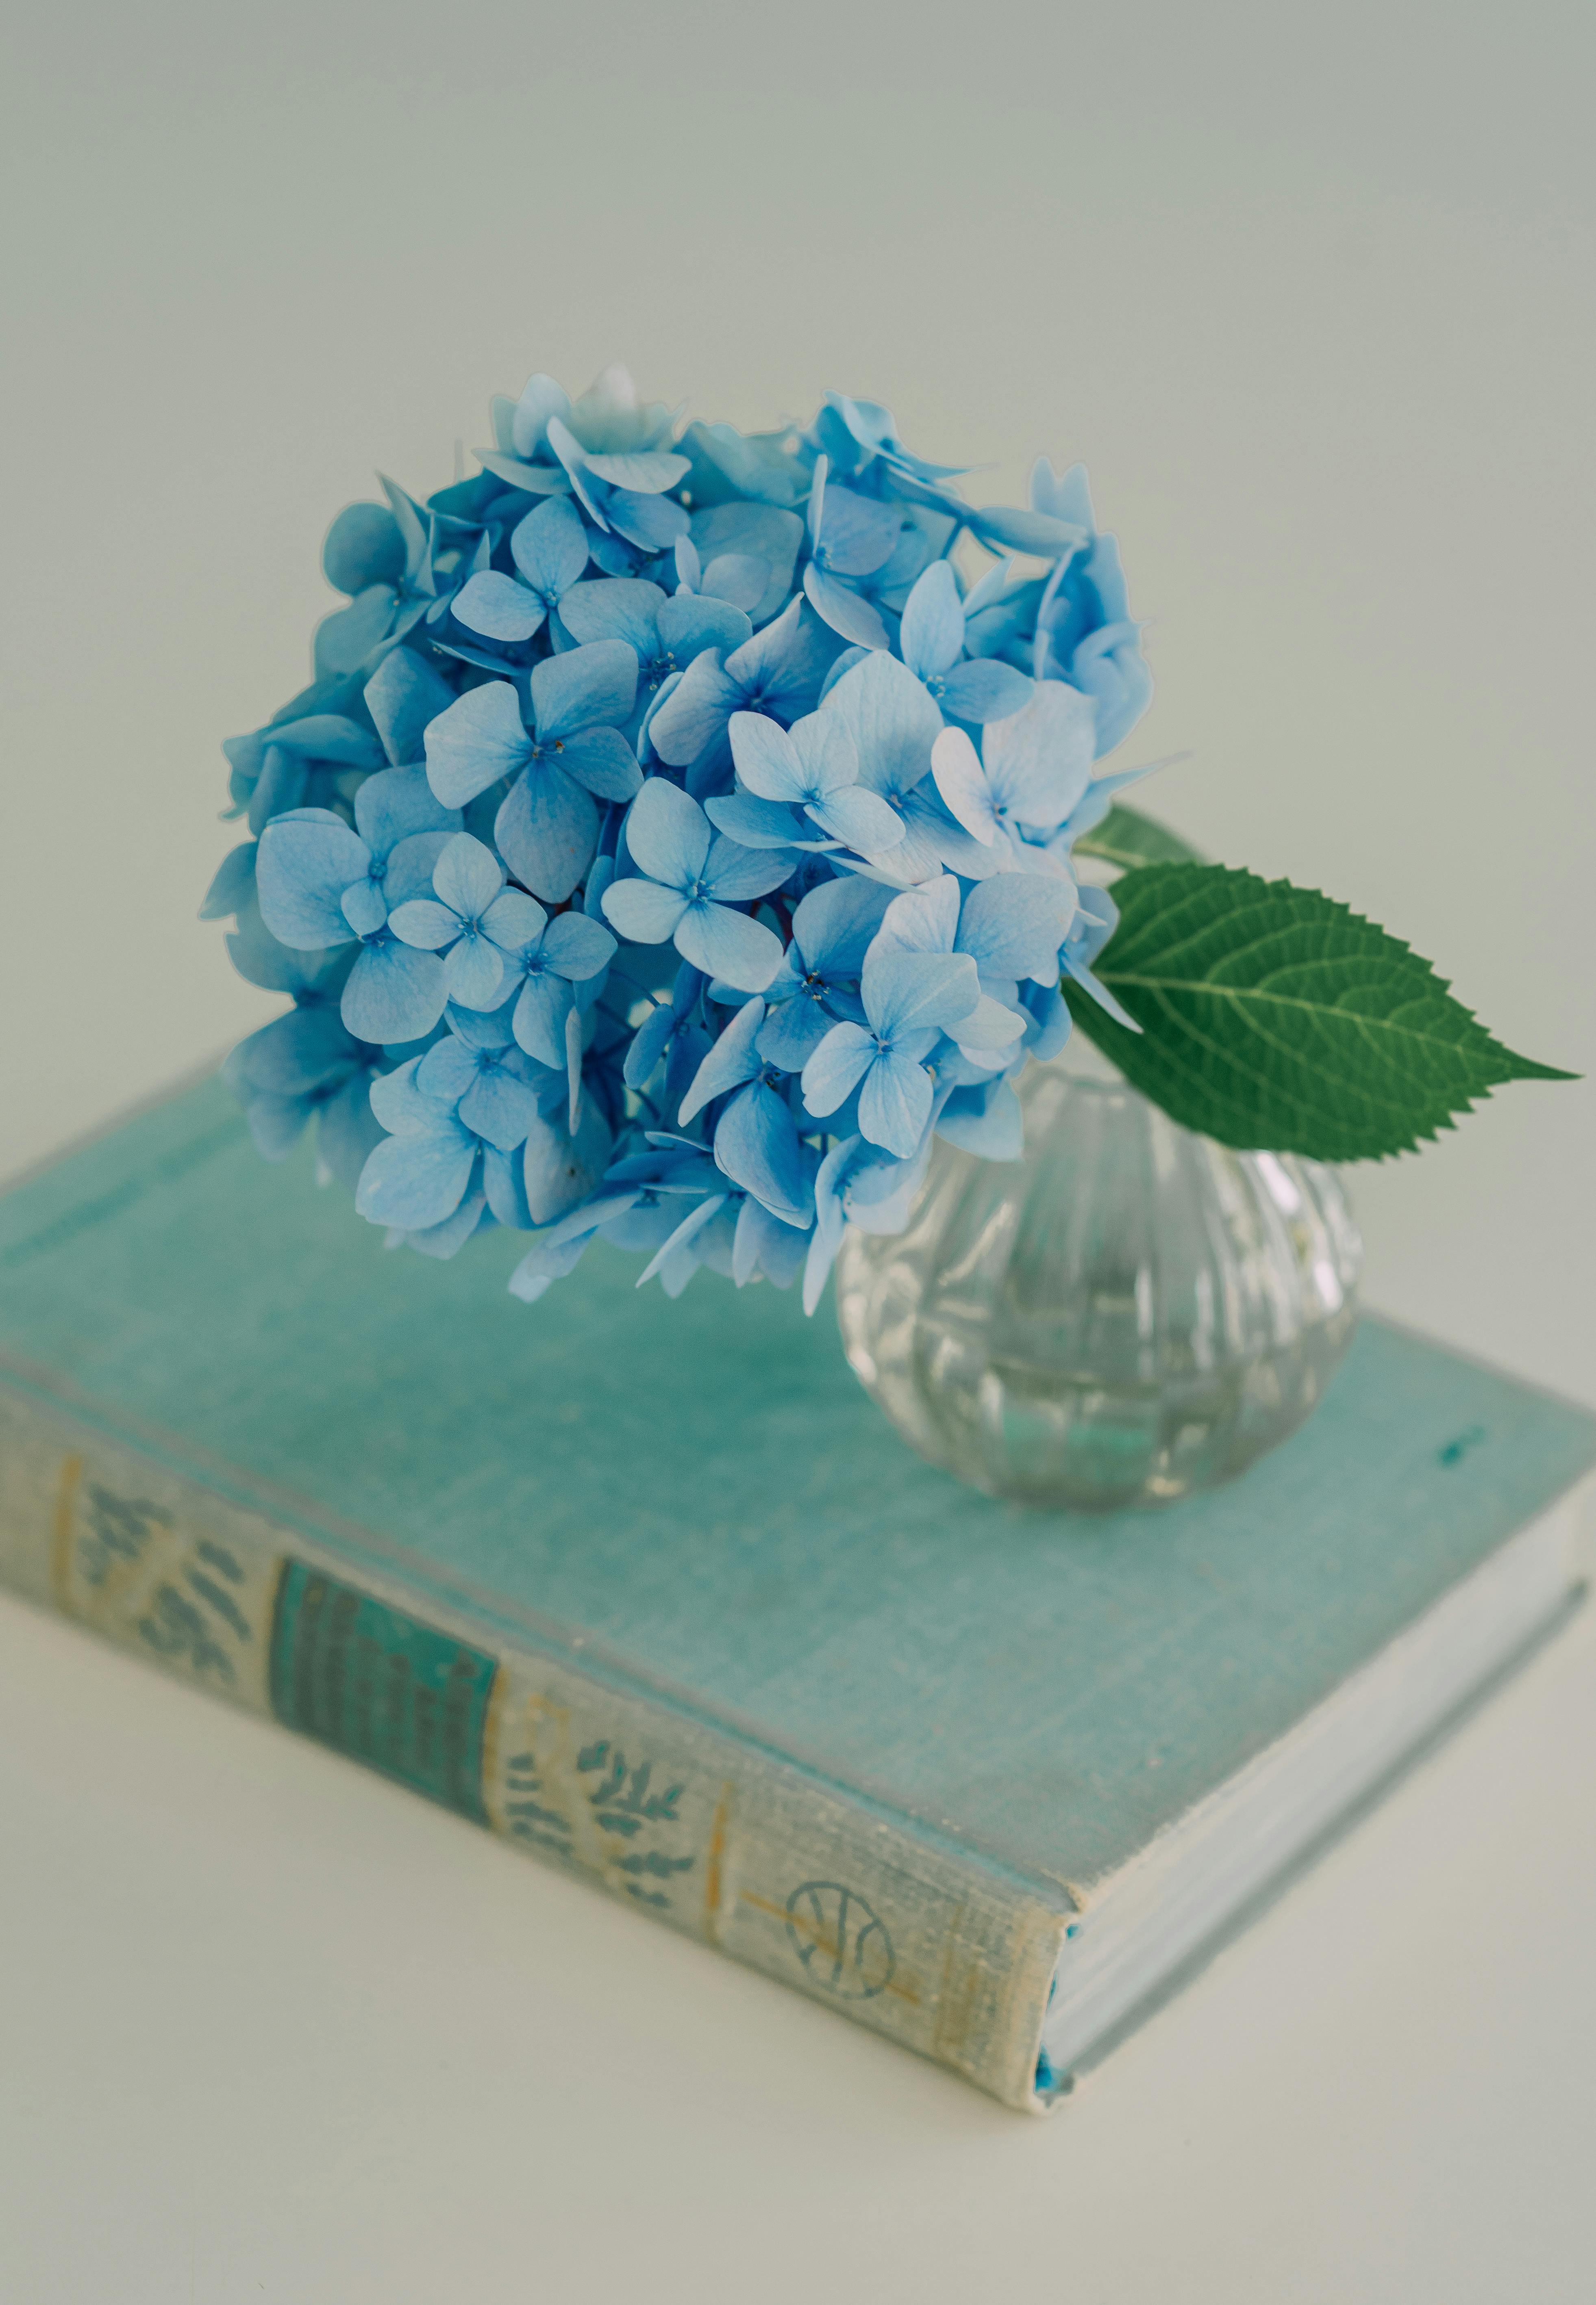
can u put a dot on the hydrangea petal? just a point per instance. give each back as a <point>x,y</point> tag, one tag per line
<point>1021,531</point>
<point>792,1032</point>
<point>479,739</point>
<point>467,877</point>
<point>503,1183</point>
<point>393,994</point>
<point>648,1046</point>
<point>825,749</point>
<point>395,803</point>
<point>345,640</point>
<point>539,1018</point>
<point>275,967</point>
<point>1039,760</point>
<point>576,947</point>
<point>499,1108</point>
<point>729,1063</point>
<point>550,547</point>
<point>296,1054</point>
<point>276,1123</point>
<point>473,973</point>
<point>1109,666</point>
<point>991,1024</point>
<point>835,923</point>
<point>738,578</point>
<point>446,1071</point>
<point>691,1224</point>
<point>412,864</point>
<point>532,479</point>
<point>604,762</point>
<point>733,874</point>
<point>401,1107</point>
<point>894,1103</point>
<point>907,992</point>
<point>932,840</point>
<point>984,1122</point>
<point>728,945</point>
<point>762,823</point>
<point>856,533</point>
<point>480,1028</point>
<point>547,830</point>
<point>496,606</point>
<point>1013,925</point>
<point>363,547</point>
<point>542,397</point>
<point>234,884</point>
<point>560,1170</point>
<point>696,711</point>
<point>652,523</point>
<point>402,696</point>
<point>764,532</point>
<point>443,1240</point>
<point>690,624</point>
<point>425,923</point>
<point>756,1144</point>
<point>615,609</point>
<point>304,865</point>
<point>513,920</point>
<point>892,720</point>
<point>281,787</point>
<point>932,633</point>
<point>764,1245</point>
<point>588,686</point>
<point>644,912</point>
<point>363,908</point>
<point>649,472</point>
<point>859,819</point>
<point>327,735</point>
<point>766,759</point>
<point>985,690</point>
<point>961,781</point>
<point>836,1066</point>
<point>668,834</point>
<point>921,920</point>
<point>845,610</point>
<point>420,1180</point>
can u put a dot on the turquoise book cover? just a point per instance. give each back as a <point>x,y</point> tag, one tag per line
<point>652,1589</point>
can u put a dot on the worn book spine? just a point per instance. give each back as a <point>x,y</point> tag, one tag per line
<point>677,1814</point>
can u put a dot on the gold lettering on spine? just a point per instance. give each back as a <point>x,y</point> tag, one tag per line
<point>62,1531</point>
<point>714,1861</point>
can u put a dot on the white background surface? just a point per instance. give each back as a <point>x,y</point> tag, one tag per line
<point>1310,290</point>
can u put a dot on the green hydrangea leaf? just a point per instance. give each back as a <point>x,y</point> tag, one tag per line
<point>1127,839</point>
<point>1273,1017</point>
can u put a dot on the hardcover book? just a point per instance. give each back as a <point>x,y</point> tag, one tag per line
<point>652,1589</point>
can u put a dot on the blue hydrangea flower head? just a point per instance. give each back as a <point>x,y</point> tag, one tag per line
<point>677,839</point>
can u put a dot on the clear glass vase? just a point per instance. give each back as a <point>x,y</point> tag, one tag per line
<point>1127,1314</point>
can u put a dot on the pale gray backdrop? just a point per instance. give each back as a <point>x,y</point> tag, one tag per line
<point>1309,291</point>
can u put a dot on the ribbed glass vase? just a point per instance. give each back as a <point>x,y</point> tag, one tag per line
<point>1127,1314</point>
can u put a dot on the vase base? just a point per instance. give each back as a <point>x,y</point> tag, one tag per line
<point>1048,1437</point>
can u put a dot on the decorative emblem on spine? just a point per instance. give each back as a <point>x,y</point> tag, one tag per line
<point>840,1941</point>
